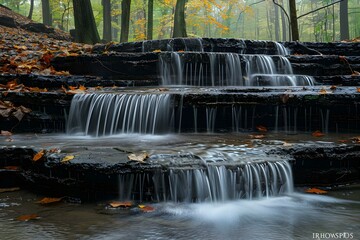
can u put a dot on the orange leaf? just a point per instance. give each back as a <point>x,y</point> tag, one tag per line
<point>333,88</point>
<point>323,91</point>
<point>315,191</point>
<point>82,88</point>
<point>72,88</point>
<point>145,208</point>
<point>47,200</point>
<point>117,204</point>
<point>358,89</point>
<point>261,128</point>
<point>26,218</point>
<point>39,155</point>
<point>14,168</point>
<point>317,133</point>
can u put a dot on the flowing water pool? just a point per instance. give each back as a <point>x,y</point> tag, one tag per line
<point>296,216</point>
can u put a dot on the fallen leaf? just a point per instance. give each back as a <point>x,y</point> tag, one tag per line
<point>285,144</point>
<point>47,200</point>
<point>67,158</point>
<point>317,133</point>
<point>82,88</point>
<point>14,168</point>
<point>323,91</point>
<point>355,139</point>
<point>163,89</point>
<point>355,73</point>
<point>261,128</point>
<point>117,204</point>
<point>140,158</point>
<point>358,89</point>
<point>315,191</point>
<point>39,155</point>
<point>333,88</point>
<point>5,133</point>
<point>157,51</point>
<point>26,218</point>
<point>2,190</point>
<point>145,208</point>
<point>342,141</point>
<point>259,136</point>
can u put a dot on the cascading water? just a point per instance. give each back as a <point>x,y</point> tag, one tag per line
<point>212,183</point>
<point>107,114</point>
<point>228,69</point>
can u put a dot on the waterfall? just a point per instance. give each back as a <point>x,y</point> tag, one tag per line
<point>106,114</point>
<point>213,183</point>
<point>228,69</point>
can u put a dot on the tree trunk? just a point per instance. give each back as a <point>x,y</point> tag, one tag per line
<point>125,20</point>
<point>85,27</point>
<point>150,21</point>
<point>46,12</point>
<point>283,24</point>
<point>106,20</point>
<point>344,20</point>
<point>293,21</point>
<point>179,19</point>
<point>31,9</point>
<point>277,25</point>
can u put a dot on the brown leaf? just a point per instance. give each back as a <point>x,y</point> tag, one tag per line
<point>117,204</point>
<point>39,155</point>
<point>140,158</point>
<point>14,168</point>
<point>317,133</point>
<point>333,88</point>
<point>261,128</point>
<point>358,89</point>
<point>5,133</point>
<point>3,190</point>
<point>355,139</point>
<point>315,191</point>
<point>355,73</point>
<point>323,91</point>
<point>82,88</point>
<point>258,136</point>
<point>26,218</point>
<point>48,200</point>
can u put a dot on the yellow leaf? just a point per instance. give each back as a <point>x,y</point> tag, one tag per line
<point>39,155</point>
<point>47,200</point>
<point>140,158</point>
<point>67,158</point>
<point>117,204</point>
<point>157,50</point>
<point>315,191</point>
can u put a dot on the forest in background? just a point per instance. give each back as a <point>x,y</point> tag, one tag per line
<point>250,19</point>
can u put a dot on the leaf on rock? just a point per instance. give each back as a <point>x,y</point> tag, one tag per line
<point>358,89</point>
<point>355,139</point>
<point>317,133</point>
<point>3,190</point>
<point>355,73</point>
<point>67,158</point>
<point>157,51</point>
<point>39,155</point>
<point>258,136</point>
<point>140,157</point>
<point>26,218</point>
<point>315,191</point>
<point>117,204</point>
<point>5,133</point>
<point>261,128</point>
<point>323,91</point>
<point>48,200</point>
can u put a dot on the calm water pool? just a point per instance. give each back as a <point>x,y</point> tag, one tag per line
<point>297,216</point>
